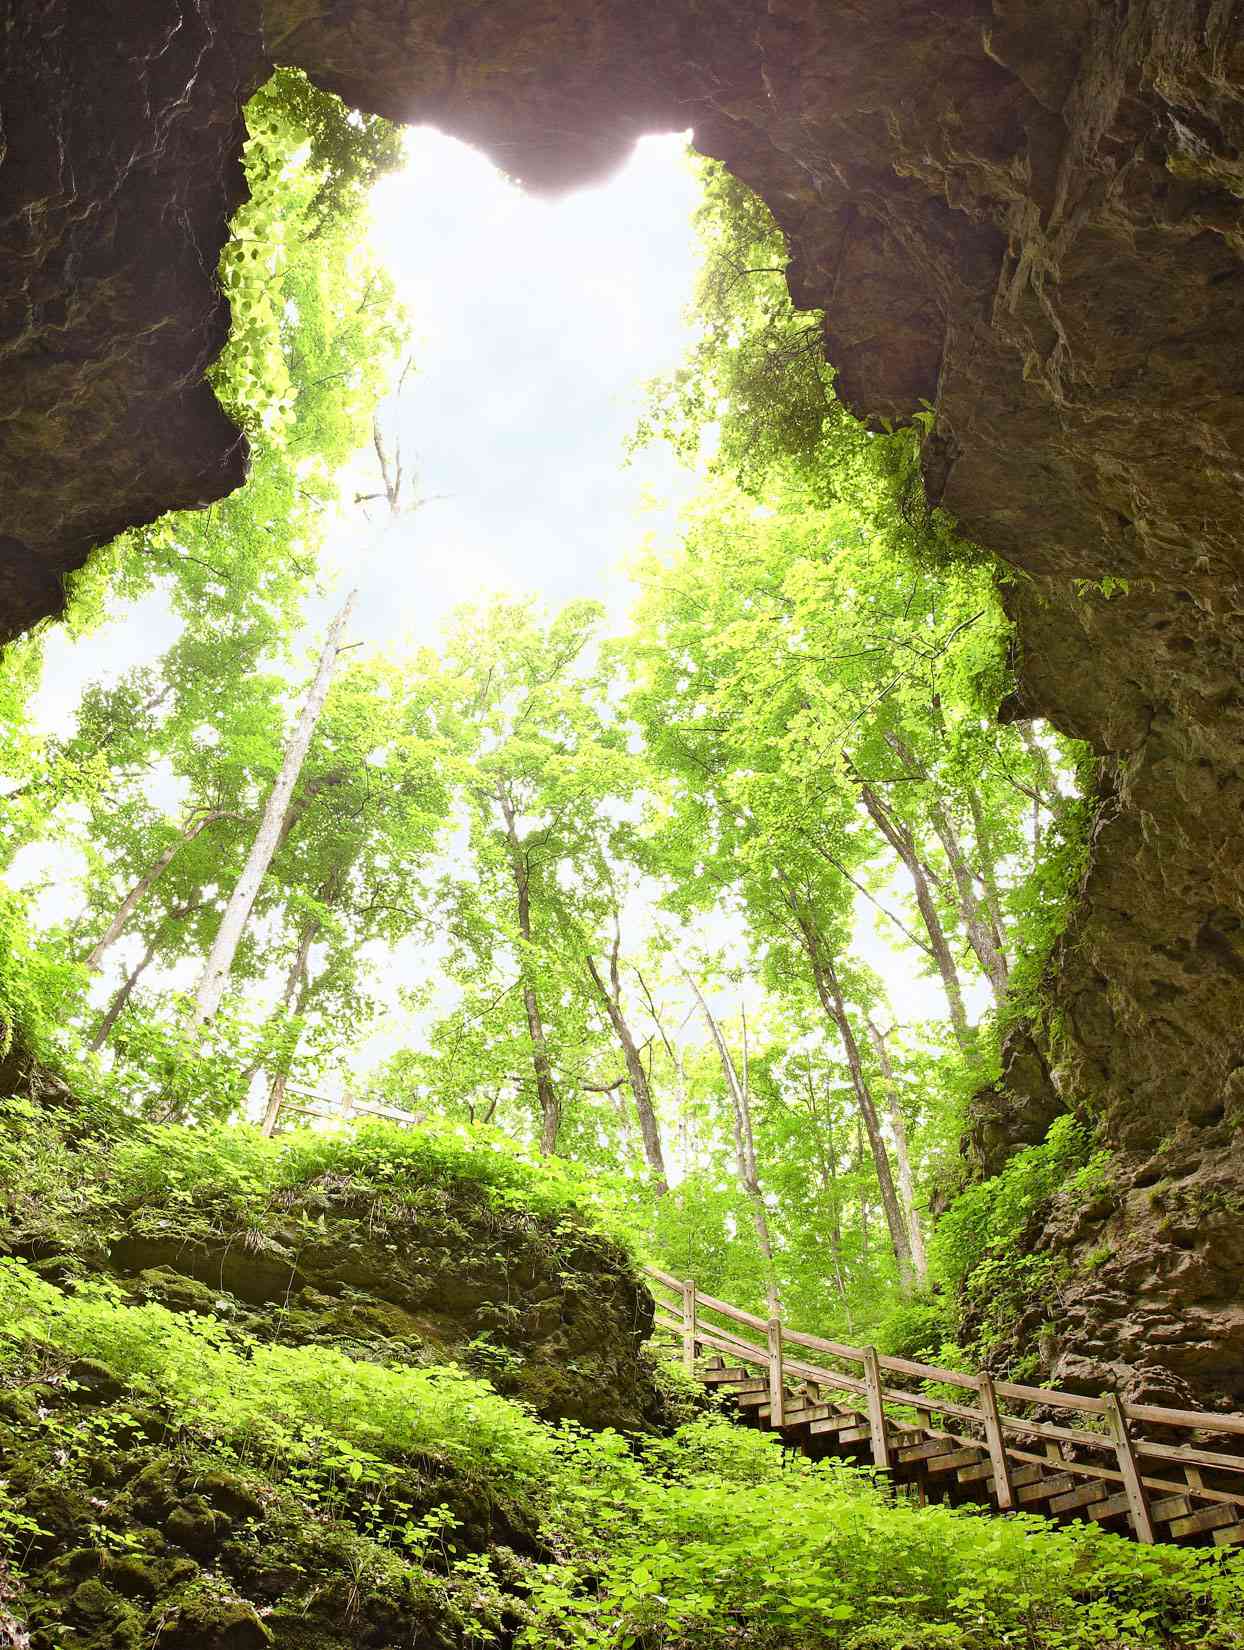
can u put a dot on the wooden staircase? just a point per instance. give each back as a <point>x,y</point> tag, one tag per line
<point>1090,1464</point>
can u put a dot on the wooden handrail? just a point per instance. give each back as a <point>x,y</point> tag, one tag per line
<point>990,1427</point>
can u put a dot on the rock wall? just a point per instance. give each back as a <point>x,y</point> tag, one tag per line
<point>1029,213</point>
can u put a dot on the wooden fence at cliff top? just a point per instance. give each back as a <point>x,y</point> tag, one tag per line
<point>1099,1443</point>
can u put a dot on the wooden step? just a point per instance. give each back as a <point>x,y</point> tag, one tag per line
<point>1209,1518</point>
<point>752,1395</point>
<point>722,1376</point>
<point>1111,1507</point>
<point>983,1474</point>
<point>1228,1535</point>
<point>907,1437</point>
<point>926,1449</point>
<point>973,1475</point>
<point>799,1417</point>
<point>1082,1497</point>
<point>1061,1483</point>
<point>738,1390</point>
<point>855,1435</point>
<point>840,1421</point>
<point>1174,1506</point>
<point>952,1462</point>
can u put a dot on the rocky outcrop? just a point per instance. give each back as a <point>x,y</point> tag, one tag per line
<point>1027,213</point>
<point>392,1264</point>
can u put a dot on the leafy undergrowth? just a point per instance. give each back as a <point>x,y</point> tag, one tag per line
<point>231,1174</point>
<point>167,1483</point>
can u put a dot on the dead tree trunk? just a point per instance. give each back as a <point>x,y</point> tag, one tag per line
<point>215,975</point>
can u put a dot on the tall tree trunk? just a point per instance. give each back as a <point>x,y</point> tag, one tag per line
<point>546,1090</point>
<point>828,1174</point>
<point>139,891</point>
<point>125,991</point>
<point>215,975</point>
<point>829,991</point>
<point>648,1126</point>
<point>1047,783</point>
<point>122,996</point>
<point>294,996</point>
<point>906,1183</point>
<point>744,1146</point>
<point>976,920</point>
<point>901,840</point>
<point>987,858</point>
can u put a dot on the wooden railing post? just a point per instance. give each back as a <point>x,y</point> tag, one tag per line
<point>688,1327</point>
<point>1142,1526</point>
<point>777,1377</point>
<point>876,1409</point>
<point>1003,1490</point>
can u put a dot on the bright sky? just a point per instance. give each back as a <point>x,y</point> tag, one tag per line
<point>537,323</point>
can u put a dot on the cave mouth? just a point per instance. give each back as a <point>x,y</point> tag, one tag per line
<point>1028,217</point>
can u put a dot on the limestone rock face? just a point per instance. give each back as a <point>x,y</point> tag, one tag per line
<point>120,164</point>
<point>1028,213</point>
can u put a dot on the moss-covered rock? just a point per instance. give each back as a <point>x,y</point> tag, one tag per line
<point>385,1255</point>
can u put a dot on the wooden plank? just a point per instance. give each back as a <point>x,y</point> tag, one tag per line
<point>1171,1506</point>
<point>835,1423</point>
<point>1043,1488</point>
<point>826,1377</point>
<point>928,1372</point>
<point>688,1325</point>
<point>722,1376</point>
<point>976,1474</point>
<point>1082,1470</point>
<point>752,1389</point>
<point>1051,1399</point>
<point>908,1437</point>
<point>805,1413</point>
<point>736,1312</point>
<point>1113,1506</point>
<point>732,1344</point>
<point>818,1343</point>
<point>1056,1434</point>
<point>1229,1535</point>
<point>1003,1492</point>
<point>1142,1528</point>
<point>876,1409</point>
<point>952,1462</point>
<point>777,1375</point>
<point>1162,1417</point>
<point>961,1412</point>
<point>667,1278</point>
<point>1185,1453</point>
<point>1209,1518</point>
<point>856,1435</point>
<point>924,1451</point>
<point>1081,1496</point>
